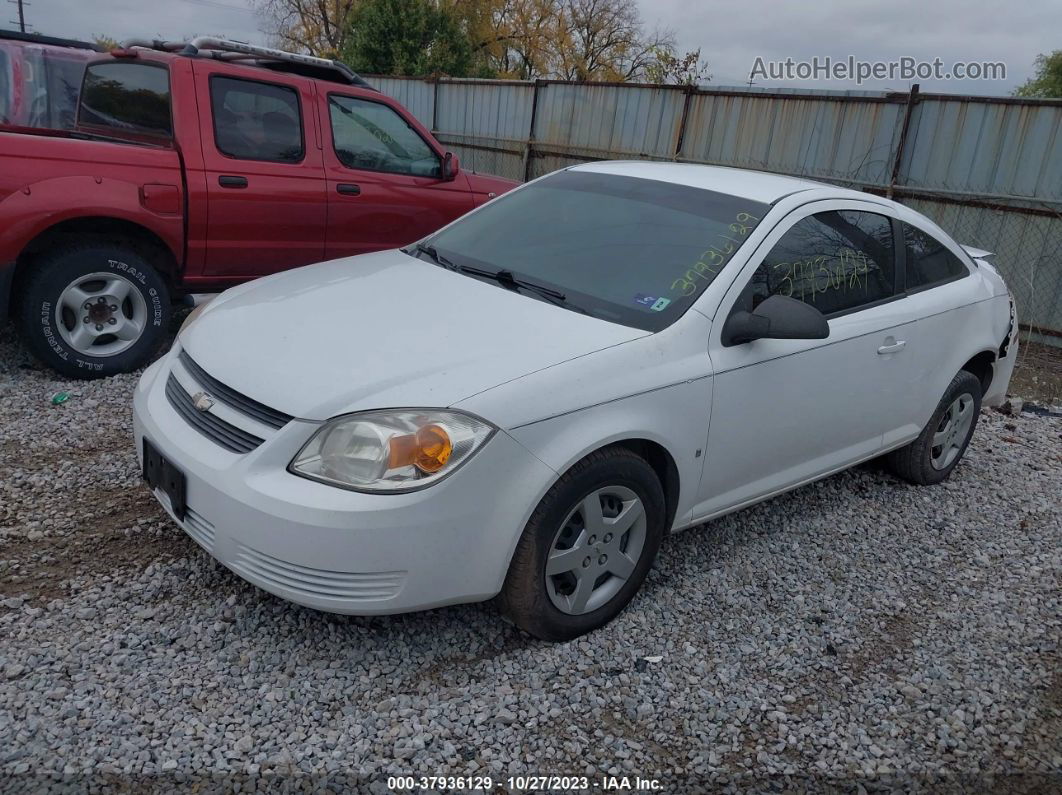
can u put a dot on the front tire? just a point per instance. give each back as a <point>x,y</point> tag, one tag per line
<point>587,548</point>
<point>936,452</point>
<point>93,309</point>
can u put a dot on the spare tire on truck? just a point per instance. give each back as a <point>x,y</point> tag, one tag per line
<point>93,309</point>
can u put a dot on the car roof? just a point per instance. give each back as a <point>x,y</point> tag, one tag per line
<point>758,186</point>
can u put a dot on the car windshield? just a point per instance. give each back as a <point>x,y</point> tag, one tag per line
<point>623,249</point>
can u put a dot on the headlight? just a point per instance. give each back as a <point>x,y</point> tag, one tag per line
<point>396,450</point>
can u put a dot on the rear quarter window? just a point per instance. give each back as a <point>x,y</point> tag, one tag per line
<point>127,98</point>
<point>929,262</point>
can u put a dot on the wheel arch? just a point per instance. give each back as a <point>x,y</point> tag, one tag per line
<point>120,231</point>
<point>982,366</point>
<point>652,451</point>
<point>663,464</point>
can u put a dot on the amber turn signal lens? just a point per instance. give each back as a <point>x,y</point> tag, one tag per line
<point>428,449</point>
<point>433,448</point>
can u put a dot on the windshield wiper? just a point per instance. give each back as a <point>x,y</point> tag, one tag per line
<point>434,255</point>
<point>506,278</point>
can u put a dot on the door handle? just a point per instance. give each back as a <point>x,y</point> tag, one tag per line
<point>348,189</point>
<point>230,181</point>
<point>893,348</point>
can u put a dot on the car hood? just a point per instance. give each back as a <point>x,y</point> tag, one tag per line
<point>382,330</point>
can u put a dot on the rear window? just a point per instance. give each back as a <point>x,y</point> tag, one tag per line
<point>127,98</point>
<point>929,262</point>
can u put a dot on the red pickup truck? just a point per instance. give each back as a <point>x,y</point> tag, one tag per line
<point>186,168</point>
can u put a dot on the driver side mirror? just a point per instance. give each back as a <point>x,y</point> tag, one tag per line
<point>778,318</point>
<point>450,167</point>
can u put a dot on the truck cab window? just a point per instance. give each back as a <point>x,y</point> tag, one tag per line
<point>127,98</point>
<point>371,136</point>
<point>256,121</point>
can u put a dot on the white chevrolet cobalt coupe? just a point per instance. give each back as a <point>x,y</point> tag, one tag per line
<point>524,403</point>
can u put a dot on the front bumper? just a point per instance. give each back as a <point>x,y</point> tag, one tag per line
<point>337,550</point>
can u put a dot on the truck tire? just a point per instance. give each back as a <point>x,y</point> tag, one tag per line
<point>93,309</point>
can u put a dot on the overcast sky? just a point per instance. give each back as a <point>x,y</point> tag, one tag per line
<point>730,34</point>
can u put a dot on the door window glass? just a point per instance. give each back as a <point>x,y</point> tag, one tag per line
<point>836,261</point>
<point>371,136</point>
<point>256,121</point>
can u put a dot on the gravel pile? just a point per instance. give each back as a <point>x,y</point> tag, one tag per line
<point>856,629</point>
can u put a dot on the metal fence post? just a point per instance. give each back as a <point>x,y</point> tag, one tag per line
<point>681,137</point>
<point>912,100</point>
<point>435,104</point>
<point>531,131</point>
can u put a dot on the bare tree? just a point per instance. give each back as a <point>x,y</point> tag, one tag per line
<point>605,40</point>
<point>319,27</point>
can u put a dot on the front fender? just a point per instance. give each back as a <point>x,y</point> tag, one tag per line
<point>675,417</point>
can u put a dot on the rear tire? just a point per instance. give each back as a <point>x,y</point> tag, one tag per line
<point>599,529</point>
<point>94,309</point>
<point>936,452</point>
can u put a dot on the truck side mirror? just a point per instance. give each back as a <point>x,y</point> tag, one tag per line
<point>450,167</point>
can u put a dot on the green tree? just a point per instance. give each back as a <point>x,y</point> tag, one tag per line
<point>407,37</point>
<point>1048,80</point>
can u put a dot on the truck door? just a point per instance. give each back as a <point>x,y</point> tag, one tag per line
<point>385,180</point>
<point>264,177</point>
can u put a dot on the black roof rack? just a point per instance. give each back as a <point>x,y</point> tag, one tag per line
<point>37,38</point>
<point>267,57</point>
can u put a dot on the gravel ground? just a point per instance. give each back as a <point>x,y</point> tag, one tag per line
<point>856,630</point>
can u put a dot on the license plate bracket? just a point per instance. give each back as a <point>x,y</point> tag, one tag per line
<point>161,474</point>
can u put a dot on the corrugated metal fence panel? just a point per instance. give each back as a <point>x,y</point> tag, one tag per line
<point>501,157</point>
<point>985,148</point>
<point>617,121</point>
<point>480,108</point>
<point>975,153</point>
<point>418,96</point>
<point>850,140</point>
<point>1028,252</point>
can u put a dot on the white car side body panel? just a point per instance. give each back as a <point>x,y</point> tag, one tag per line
<point>656,388</point>
<point>787,411</point>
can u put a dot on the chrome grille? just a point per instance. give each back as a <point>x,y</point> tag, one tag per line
<point>217,430</point>
<point>230,397</point>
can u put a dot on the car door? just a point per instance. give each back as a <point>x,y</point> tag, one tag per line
<point>786,411</point>
<point>385,182</point>
<point>264,176</point>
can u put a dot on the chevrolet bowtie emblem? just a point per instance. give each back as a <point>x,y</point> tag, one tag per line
<point>202,401</point>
